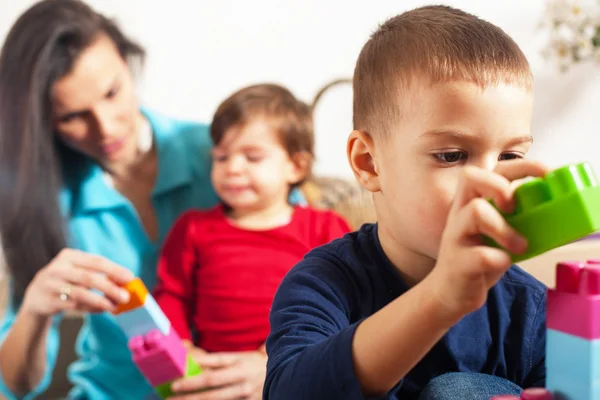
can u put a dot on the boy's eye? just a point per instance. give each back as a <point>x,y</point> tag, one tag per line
<point>219,157</point>
<point>450,157</point>
<point>509,156</point>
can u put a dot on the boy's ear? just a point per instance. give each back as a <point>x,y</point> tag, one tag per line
<point>302,161</point>
<point>360,150</point>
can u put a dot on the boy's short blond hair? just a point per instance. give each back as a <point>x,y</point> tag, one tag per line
<point>438,43</point>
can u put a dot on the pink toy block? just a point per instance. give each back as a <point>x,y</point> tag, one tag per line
<point>528,394</point>
<point>574,306</point>
<point>160,358</point>
<point>567,276</point>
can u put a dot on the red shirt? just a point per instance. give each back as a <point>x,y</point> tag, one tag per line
<point>221,279</point>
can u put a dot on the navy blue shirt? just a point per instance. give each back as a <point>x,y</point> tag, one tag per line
<point>323,299</point>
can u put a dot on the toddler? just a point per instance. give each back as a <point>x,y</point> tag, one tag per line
<point>219,269</point>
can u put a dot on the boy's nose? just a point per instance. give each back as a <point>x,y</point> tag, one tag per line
<point>489,162</point>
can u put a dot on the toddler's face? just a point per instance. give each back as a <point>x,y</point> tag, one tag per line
<point>443,128</point>
<point>251,169</point>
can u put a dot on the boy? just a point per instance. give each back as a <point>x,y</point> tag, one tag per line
<point>442,100</point>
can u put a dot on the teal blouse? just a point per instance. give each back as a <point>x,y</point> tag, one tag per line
<point>101,221</point>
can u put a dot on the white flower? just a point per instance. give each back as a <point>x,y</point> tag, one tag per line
<point>574,31</point>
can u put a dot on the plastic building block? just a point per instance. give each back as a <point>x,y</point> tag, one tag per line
<point>565,387</point>
<point>143,319</point>
<point>573,356</point>
<point>573,335</point>
<point>528,394</point>
<point>560,208</point>
<point>137,296</point>
<point>160,358</point>
<point>156,348</point>
<point>192,369</point>
<point>574,306</point>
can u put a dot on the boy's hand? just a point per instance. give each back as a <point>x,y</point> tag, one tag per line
<point>466,269</point>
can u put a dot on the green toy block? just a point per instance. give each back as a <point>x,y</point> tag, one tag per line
<point>558,209</point>
<point>191,369</point>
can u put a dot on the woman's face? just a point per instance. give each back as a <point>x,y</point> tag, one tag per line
<point>94,106</point>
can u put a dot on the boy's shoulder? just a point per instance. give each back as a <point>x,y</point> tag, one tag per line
<point>349,254</point>
<point>515,276</point>
<point>341,269</point>
<point>519,287</point>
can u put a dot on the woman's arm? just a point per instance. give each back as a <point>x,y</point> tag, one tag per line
<point>71,281</point>
<point>24,351</point>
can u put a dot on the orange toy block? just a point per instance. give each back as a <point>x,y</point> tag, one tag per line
<point>137,296</point>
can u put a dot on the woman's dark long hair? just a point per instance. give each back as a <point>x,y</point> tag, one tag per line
<point>40,48</point>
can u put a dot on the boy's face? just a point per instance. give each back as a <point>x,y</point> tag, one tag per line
<point>416,168</point>
<point>251,169</point>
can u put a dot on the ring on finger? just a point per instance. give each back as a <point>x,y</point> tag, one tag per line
<point>65,292</point>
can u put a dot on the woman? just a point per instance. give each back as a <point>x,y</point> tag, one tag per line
<point>89,186</point>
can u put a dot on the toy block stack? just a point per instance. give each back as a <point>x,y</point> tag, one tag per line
<point>157,350</point>
<point>560,208</point>
<point>573,336</point>
<point>528,394</point>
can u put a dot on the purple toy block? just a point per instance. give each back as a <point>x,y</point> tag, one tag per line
<point>574,306</point>
<point>160,358</point>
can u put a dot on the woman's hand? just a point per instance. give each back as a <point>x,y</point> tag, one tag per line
<point>68,281</point>
<point>225,376</point>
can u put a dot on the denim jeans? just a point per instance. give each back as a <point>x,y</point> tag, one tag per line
<point>467,386</point>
